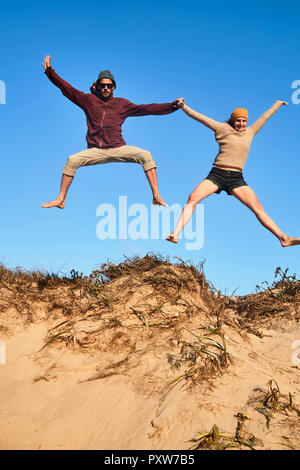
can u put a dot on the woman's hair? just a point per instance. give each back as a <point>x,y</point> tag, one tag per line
<point>230,122</point>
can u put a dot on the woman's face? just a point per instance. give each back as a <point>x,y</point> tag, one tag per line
<point>240,124</point>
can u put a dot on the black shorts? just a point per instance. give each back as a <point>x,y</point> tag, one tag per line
<point>226,180</point>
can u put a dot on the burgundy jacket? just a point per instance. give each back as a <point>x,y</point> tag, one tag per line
<point>105,118</point>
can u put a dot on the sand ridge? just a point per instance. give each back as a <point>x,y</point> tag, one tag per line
<point>150,357</point>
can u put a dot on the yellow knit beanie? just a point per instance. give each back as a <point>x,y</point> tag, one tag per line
<point>239,112</point>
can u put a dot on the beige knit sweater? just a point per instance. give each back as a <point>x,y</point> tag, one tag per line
<point>234,145</point>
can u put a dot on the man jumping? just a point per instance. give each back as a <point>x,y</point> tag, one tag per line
<point>105,115</point>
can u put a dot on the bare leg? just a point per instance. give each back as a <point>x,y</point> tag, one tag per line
<point>203,190</point>
<point>248,197</point>
<point>152,178</point>
<point>60,201</point>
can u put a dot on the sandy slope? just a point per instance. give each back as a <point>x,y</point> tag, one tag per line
<point>48,402</point>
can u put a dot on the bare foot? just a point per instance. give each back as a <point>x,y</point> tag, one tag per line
<point>171,238</point>
<point>56,203</point>
<point>159,201</point>
<point>290,241</point>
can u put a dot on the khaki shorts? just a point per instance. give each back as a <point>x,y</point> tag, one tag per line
<point>97,156</point>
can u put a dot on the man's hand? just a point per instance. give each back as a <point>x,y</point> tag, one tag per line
<point>179,103</point>
<point>283,103</point>
<point>47,60</point>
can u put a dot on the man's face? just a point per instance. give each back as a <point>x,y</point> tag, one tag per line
<point>105,87</point>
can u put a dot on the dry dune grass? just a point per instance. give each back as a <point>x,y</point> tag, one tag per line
<point>141,304</point>
<point>157,325</point>
<point>280,299</point>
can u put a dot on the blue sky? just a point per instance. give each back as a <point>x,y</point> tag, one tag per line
<point>219,56</point>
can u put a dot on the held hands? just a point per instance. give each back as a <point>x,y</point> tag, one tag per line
<point>179,103</point>
<point>46,63</point>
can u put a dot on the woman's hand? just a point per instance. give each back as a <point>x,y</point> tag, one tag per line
<point>46,63</point>
<point>283,103</point>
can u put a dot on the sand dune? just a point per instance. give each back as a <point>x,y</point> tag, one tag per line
<point>147,355</point>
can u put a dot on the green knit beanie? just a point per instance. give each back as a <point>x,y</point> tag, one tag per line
<point>107,74</point>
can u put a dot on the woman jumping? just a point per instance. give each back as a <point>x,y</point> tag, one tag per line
<point>234,140</point>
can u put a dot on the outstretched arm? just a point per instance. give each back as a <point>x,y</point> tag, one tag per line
<point>67,90</point>
<point>154,108</point>
<point>257,125</point>
<point>211,123</point>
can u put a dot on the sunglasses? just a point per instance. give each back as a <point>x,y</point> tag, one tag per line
<point>103,85</point>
